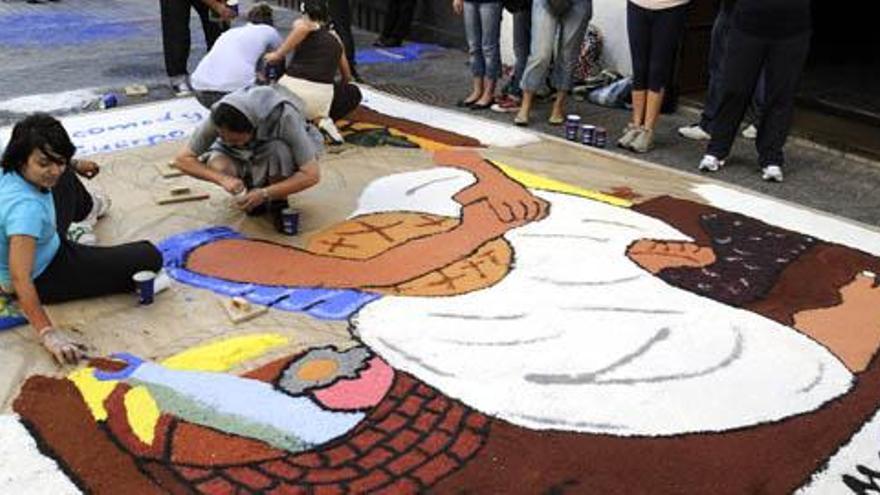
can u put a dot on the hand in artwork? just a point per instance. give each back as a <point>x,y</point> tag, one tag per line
<point>851,329</point>
<point>250,200</point>
<point>654,256</point>
<point>86,168</point>
<point>481,218</point>
<point>63,348</point>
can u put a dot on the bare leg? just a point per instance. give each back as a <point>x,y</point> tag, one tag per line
<point>526,107</point>
<point>652,109</point>
<point>639,101</point>
<point>558,111</point>
<point>223,164</point>
<point>476,90</point>
<point>488,95</point>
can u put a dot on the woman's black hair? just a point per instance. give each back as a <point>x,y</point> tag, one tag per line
<point>228,117</point>
<point>317,10</point>
<point>37,131</point>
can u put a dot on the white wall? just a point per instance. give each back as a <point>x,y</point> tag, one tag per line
<point>608,15</point>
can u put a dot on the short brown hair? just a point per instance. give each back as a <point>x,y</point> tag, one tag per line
<point>261,13</point>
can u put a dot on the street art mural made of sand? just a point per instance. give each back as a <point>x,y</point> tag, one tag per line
<point>511,334</point>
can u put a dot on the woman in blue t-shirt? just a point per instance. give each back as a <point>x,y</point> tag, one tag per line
<point>38,191</point>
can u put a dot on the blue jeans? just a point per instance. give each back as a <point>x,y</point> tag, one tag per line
<point>549,32</point>
<point>522,39</point>
<point>482,25</point>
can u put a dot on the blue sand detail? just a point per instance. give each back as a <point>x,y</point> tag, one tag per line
<point>324,304</point>
<point>11,321</point>
<point>47,28</point>
<point>405,53</point>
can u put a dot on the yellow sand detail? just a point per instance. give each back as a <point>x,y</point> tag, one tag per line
<point>223,355</point>
<point>423,143</point>
<point>142,413</point>
<point>536,181</point>
<point>94,391</point>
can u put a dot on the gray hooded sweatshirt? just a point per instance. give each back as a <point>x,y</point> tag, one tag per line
<point>278,121</point>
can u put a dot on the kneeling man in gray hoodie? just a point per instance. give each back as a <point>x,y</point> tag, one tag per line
<point>257,145</point>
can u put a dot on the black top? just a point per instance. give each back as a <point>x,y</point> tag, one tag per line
<point>775,19</point>
<point>316,58</point>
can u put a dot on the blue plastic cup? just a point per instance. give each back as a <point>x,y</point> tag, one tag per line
<point>144,285</point>
<point>288,222</point>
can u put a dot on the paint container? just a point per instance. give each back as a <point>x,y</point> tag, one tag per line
<point>588,133</point>
<point>288,221</point>
<point>600,137</point>
<point>572,124</point>
<point>109,100</point>
<point>272,72</point>
<point>144,286</point>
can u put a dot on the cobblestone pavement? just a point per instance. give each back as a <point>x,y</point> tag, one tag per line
<point>104,45</point>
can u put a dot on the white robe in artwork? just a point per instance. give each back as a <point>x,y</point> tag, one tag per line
<point>578,337</point>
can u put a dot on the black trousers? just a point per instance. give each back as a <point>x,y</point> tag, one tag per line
<point>79,272</point>
<point>340,13</point>
<point>346,97</point>
<point>653,39</point>
<point>176,35</point>
<point>782,62</point>
<point>717,56</point>
<point>73,203</point>
<point>398,19</point>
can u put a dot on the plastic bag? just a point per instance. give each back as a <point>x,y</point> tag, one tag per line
<point>615,95</point>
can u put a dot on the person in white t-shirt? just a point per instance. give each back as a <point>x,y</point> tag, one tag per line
<point>231,63</point>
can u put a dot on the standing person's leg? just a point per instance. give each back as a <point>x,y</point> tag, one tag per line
<point>212,29</point>
<point>744,61</point>
<point>782,71</point>
<point>340,13</point>
<point>490,25</point>
<point>717,55</point>
<point>404,20</point>
<point>392,13</point>
<point>522,38</point>
<point>573,26</point>
<point>175,36</point>
<point>80,272</point>
<point>72,201</point>
<point>544,27</point>
<point>665,36</point>
<point>474,33</point>
<point>638,25</point>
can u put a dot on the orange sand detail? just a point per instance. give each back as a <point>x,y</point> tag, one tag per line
<point>368,235</point>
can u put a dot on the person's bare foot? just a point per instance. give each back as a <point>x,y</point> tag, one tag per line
<point>654,256</point>
<point>851,330</point>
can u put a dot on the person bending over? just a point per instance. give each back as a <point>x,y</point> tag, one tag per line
<point>37,264</point>
<point>231,63</point>
<point>317,55</point>
<point>256,145</point>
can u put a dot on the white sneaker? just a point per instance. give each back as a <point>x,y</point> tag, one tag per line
<point>710,163</point>
<point>100,206</point>
<point>329,128</point>
<point>82,233</point>
<point>694,132</point>
<point>180,86</point>
<point>750,132</point>
<point>772,173</point>
<point>162,282</point>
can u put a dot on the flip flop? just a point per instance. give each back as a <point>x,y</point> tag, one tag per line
<point>556,120</point>
<point>521,122</point>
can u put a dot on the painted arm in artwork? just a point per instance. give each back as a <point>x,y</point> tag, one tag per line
<point>850,329</point>
<point>491,207</point>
